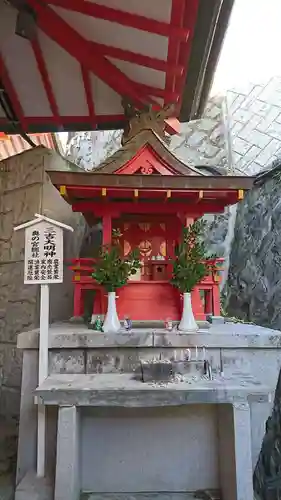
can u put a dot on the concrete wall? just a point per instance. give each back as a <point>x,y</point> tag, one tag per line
<point>25,190</point>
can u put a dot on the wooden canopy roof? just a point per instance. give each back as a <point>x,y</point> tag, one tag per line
<point>66,64</point>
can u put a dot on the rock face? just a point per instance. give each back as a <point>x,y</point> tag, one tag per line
<point>253,288</point>
<point>266,478</point>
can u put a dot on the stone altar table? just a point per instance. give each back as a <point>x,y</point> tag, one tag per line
<point>111,436</point>
<point>72,394</point>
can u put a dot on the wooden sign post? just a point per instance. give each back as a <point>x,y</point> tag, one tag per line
<point>43,265</point>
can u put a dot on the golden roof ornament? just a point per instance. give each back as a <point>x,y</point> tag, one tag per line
<point>145,119</point>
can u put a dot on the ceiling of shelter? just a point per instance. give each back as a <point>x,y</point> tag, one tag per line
<point>67,64</point>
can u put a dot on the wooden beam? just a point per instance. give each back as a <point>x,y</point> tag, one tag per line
<point>124,18</point>
<point>41,64</point>
<point>70,40</point>
<point>9,87</point>
<point>136,58</point>
<point>173,126</point>
<point>99,210</point>
<point>89,94</point>
<point>177,15</point>
<point>190,16</point>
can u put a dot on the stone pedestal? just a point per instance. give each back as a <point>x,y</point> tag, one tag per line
<point>109,434</point>
<point>235,453</point>
<point>67,485</point>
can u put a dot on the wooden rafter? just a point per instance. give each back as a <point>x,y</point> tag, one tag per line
<point>69,39</point>
<point>5,78</point>
<point>190,13</point>
<point>136,58</point>
<point>124,18</point>
<point>88,92</point>
<point>177,15</point>
<point>45,79</point>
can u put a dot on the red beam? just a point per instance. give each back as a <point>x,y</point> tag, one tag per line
<point>177,15</point>
<point>46,80</point>
<point>99,209</point>
<point>89,95</point>
<point>124,18</point>
<point>190,17</point>
<point>94,189</point>
<point>172,126</point>
<point>71,41</point>
<point>135,58</point>
<point>4,76</point>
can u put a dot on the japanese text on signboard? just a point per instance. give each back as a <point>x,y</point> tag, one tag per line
<point>43,254</point>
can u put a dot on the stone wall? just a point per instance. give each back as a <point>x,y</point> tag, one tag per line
<point>25,190</point>
<point>255,125</point>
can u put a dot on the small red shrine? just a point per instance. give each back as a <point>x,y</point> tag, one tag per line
<point>146,193</point>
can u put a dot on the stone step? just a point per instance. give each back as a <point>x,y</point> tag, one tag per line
<point>137,496</point>
<point>200,494</point>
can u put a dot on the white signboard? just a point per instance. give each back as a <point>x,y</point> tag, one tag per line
<point>43,259</point>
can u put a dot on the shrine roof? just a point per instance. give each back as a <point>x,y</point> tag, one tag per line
<point>145,138</point>
<point>67,64</point>
<point>149,182</point>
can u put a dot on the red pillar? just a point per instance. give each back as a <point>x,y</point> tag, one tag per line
<point>106,229</point>
<point>78,307</point>
<point>216,300</point>
<point>209,301</point>
<point>171,236</point>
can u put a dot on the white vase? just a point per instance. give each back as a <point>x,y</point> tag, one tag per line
<point>111,322</point>
<point>187,323</point>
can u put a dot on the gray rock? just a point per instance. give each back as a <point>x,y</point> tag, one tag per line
<point>253,289</point>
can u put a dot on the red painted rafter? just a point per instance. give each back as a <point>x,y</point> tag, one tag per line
<point>140,59</point>
<point>4,76</point>
<point>190,17</point>
<point>45,79</point>
<point>122,17</point>
<point>177,14</point>
<point>71,41</point>
<point>88,92</point>
<point>68,120</point>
